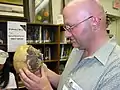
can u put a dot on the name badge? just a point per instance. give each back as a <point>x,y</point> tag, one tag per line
<point>65,87</point>
<point>72,85</point>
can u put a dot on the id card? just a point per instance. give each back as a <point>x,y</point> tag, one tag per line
<point>72,85</point>
<point>65,87</point>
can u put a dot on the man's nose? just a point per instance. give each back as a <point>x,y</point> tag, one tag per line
<point>68,34</point>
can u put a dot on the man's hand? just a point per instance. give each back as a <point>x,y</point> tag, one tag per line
<point>37,81</point>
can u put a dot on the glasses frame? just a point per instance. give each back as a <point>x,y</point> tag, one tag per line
<point>70,28</point>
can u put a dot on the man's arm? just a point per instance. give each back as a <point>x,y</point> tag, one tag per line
<point>53,78</point>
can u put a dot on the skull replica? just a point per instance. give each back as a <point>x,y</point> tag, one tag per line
<point>26,56</point>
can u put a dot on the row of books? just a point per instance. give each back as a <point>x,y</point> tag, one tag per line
<point>64,52</point>
<point>63,38</point>
<point>38,34</point>
<point>46,53</point>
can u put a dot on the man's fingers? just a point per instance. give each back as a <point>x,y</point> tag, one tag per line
<point>30,75</point>
<point>25,78</point>
<point>25,83</point>
<point>43,71</point>
<point>45,67</point>
<point>34,82</point>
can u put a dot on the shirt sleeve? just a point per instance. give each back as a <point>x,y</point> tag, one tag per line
<point>12,82</point>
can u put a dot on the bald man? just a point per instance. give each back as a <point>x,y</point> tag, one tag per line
<point>94,63</point>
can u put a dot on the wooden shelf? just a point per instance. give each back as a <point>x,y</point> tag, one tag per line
<point>43,43</point>
<point>112,17</point>
<point>35,43</point>
<point>50,60</point>
<point>52,43</point>
<point>62,60</point>
<point>11,18</point>
<point>11,3</point>
<point>3,44</point>
<point>65,43</point>
<point>43,24</point>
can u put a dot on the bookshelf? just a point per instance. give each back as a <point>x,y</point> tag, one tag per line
<point>65,49</point>
<point>45,37</point>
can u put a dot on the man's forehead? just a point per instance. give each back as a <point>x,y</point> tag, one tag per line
<point>78,15</point>
<point>75,5</point>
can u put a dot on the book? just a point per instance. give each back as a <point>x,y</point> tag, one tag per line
<point>46,35</point>
<point>61,68</point>
<point>62,51</point>
<point>65,51</point>
<point>47,54</point>
<point>63,39</point>
<point>40,34</point>
<point>34,34</point>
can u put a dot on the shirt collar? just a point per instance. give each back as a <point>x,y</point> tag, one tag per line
<point>103,53</point>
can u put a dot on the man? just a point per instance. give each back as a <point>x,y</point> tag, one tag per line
<point>94,63</point>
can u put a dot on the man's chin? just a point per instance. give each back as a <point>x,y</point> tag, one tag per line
<point>75,45</point>
<point>78,46</point>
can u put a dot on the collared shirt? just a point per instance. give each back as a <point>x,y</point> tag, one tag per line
<point>101,71</point>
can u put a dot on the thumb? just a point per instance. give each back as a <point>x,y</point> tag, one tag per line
<point>43,71</point>
<point>45,68</point>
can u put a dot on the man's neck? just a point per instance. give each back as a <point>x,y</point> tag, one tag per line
<point>96,46</point>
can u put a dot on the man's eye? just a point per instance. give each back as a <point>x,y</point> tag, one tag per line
<point>67,27</point>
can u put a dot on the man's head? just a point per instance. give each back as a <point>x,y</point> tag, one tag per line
<point>85,22</point>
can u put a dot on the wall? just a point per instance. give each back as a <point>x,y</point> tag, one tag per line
<point>107,4</point>
<point>56,9</point>
<point>115,26</point>
<point>118,31</point>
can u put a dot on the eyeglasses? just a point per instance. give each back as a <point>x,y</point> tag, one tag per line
<point>69,28</point>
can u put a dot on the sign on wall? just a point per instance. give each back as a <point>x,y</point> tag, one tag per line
<point>16,35</point>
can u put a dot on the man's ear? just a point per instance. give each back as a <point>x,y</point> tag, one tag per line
<point>95,23</point>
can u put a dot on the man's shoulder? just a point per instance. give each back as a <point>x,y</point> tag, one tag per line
<point>117,51</point>
<point>110,78</point>
<point>113,66</point>
<point>114,57</point>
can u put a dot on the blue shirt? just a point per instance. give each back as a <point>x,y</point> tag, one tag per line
<point>101,71</point>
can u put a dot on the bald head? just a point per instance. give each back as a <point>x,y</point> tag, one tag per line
<point>85,8</point>
<point>86,21</point>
